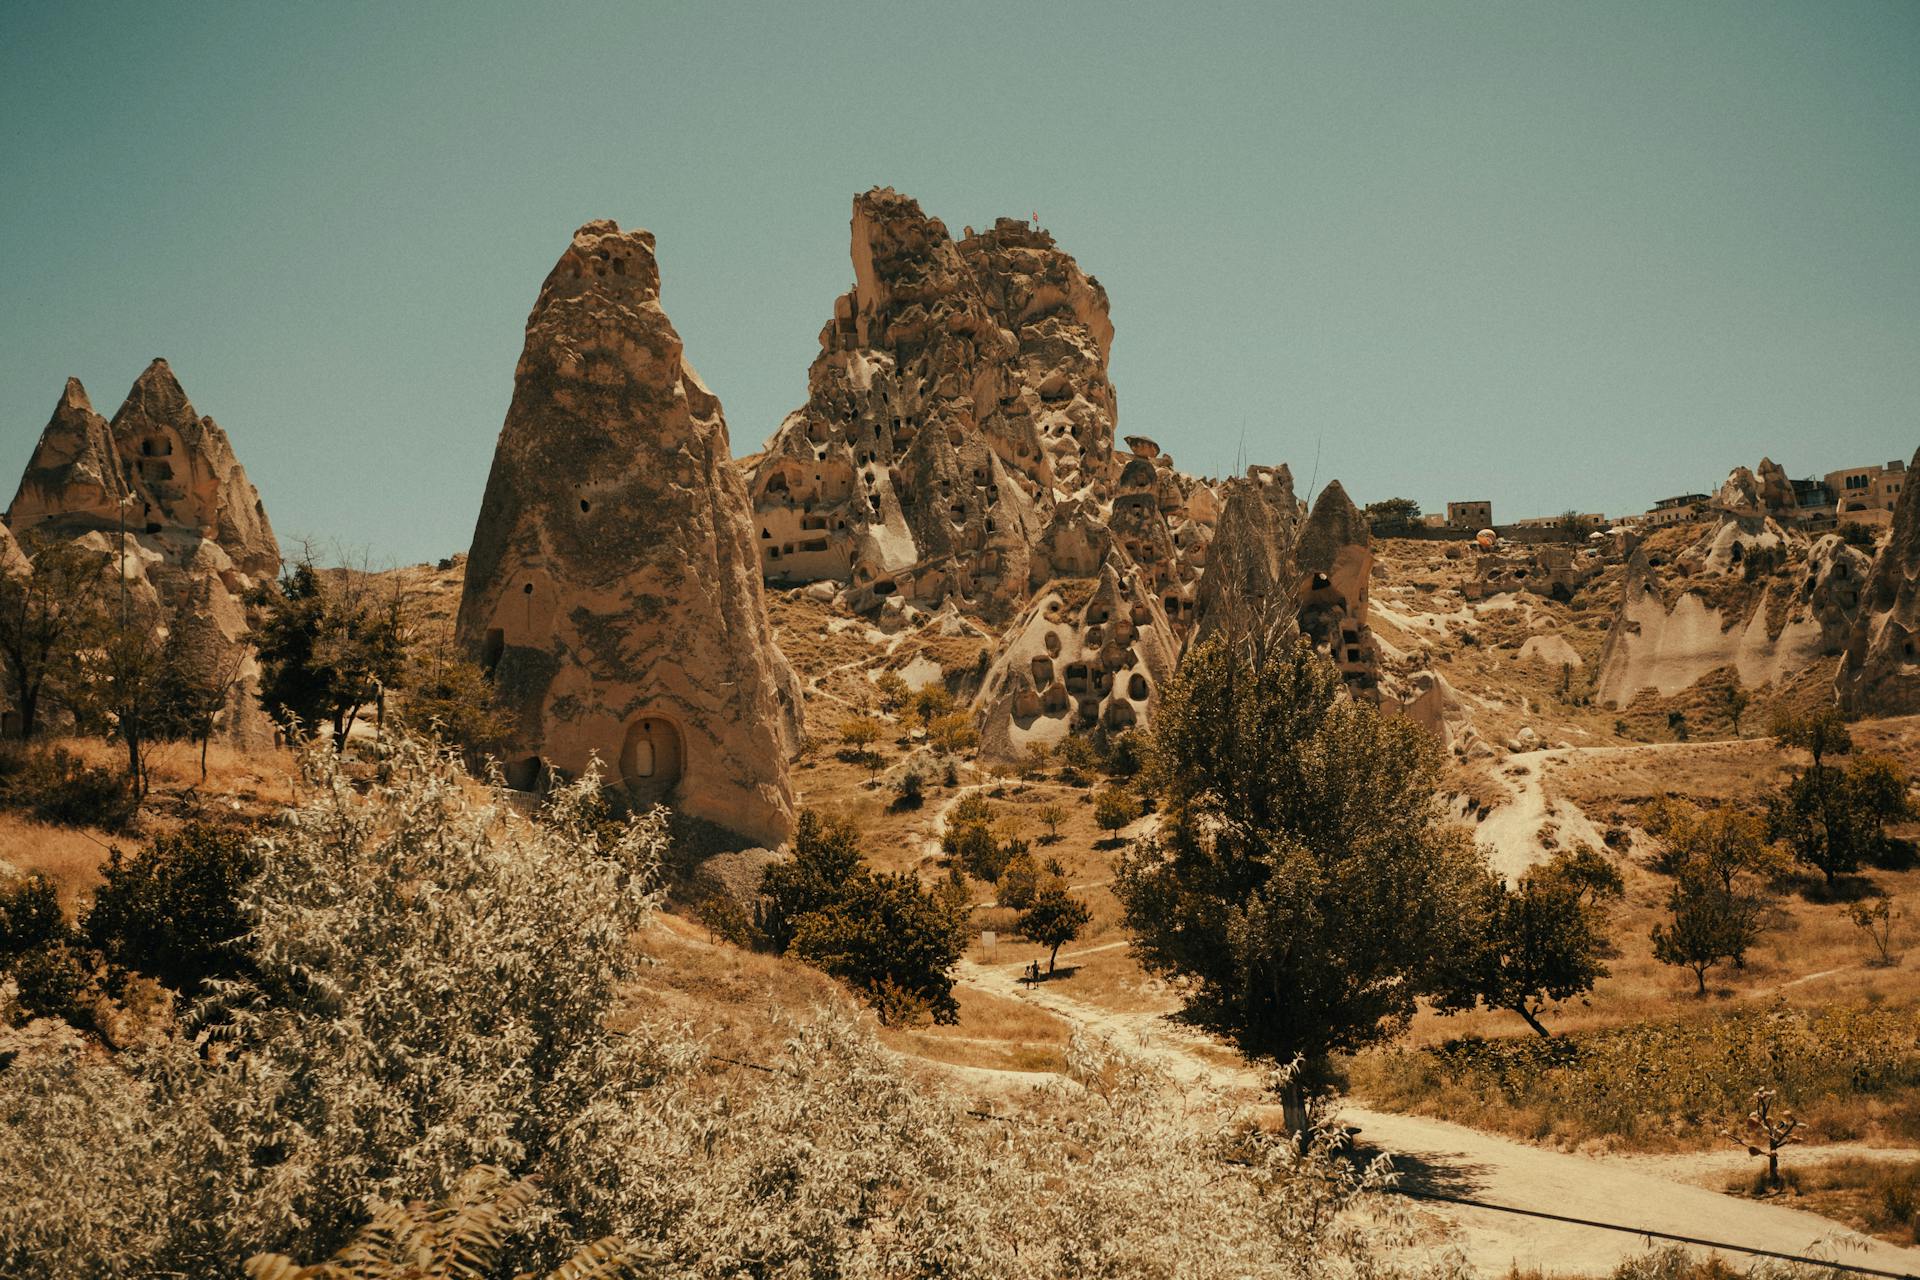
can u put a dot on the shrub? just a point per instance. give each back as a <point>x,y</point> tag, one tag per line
<point>437,980</point>
<point>30,917</point>
<point>1053,918</point>
<point>58,787</point>
<point>173,910</point>
<point>1019,880</point>
<point>1115,807</point>
<point>910,792</point>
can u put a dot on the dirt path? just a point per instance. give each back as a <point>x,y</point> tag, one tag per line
<point>1451,1159</point>
<point>1511,833</point>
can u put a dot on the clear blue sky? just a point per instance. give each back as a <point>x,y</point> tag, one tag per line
<point>1558,255</point>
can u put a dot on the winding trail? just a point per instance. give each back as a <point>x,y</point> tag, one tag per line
<point>1451,1159</point>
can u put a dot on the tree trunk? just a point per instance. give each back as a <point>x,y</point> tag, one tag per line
<point>29,711</point>
<point>203,756</point>
<point>1700,977</point>
<point>1293,1107</point>
<point>1051,957</point>
<point>1533,1021</point>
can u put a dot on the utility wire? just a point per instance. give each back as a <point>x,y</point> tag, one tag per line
<point>1652,1234</point>
<point>1467,1201</point>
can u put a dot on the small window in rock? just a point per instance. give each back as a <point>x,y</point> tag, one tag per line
<point>527,590</point>
<point>585,506</point>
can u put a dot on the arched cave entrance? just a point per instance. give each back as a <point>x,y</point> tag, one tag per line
<point>651,759</point>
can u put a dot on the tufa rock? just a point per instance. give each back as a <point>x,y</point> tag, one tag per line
<point>1880,674</point>
<point>612,587</point>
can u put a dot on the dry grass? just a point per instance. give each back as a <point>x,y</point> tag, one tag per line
<point>1878,1197</point>
<point>993,1032</point>
<point>71,857</point>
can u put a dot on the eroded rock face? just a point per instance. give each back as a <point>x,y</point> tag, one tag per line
<point>960,394</point>
<point>75,473</point>
<point>1880,674</point>
<point>1084,656</point>
<point>175,471</point>
<point>159,495</point>
<point>613,587</point>
<point>1250,566</point>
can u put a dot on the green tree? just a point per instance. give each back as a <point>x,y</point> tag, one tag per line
<point>45,616</point>
<point>172,911</point>
<point>1115,808</point>
<point>1734,701</point>
<point>1297,823</point>
<point>1019,881</point>
<point>200,669</point>
<point>1055,917</point>
<point>890,940</point>
<point>1538,943</point>
<point>327,649</point>
<point>450,700</point>
<point>1393,517</point>
<point>1706,926</point>
<point>1051,816</point>
<point>826,858</point>
<point>1723,866</point>
<point>1835,818</point>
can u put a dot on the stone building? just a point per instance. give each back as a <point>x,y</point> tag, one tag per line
<point>1470,515</point>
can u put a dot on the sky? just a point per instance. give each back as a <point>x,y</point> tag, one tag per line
<point>1578,255</point>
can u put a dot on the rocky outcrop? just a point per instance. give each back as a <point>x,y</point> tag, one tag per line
<point>613,587</point>
<point>1880,674</point>
<point>75,474</point>
<point>160,497</point>
<point>1250,569</point>
<point>1335,561</point>
<point>1084,656</point>
<point>960,394</point>
<point>158,470</point>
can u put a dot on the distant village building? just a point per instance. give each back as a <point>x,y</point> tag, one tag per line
<point>1676,510</point>
<point>1582,520</point>
<point>1469,515</point>
<point>1874,488</point>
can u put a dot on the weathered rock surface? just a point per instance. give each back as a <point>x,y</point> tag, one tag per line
<point>613,587</point>
<point>960,393</point>
<point>1880,674</point>
<point>159,495</point>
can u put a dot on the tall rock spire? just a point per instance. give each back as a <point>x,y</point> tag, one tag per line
<point>612,586</point>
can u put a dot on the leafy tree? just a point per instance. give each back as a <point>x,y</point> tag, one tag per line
<point>1019,881</point>
<point>1706,927</point>
<point>1115,807</point>
<point>929,703</point>
<point>1051,816</point>
<point>200,669</point>
<point>451,700</point>
<point>1819,733</point>
<point>1078,757</point>
<point>952,733</point>
<point>326,649</point>
<point>892,941</point>
<point>46,615</point>
<point>893,691</point>
<point>124,685</point>
<point>1393,517</point>
<point>826,859</point>
<point>882,935</point>
<point>1723,866</point>
<point>1834,818</point>
<point>1734,701</point>
<point>172,911</point>
<point>1538,943</point>
<point>1297,821</point>
<point>857,738</point>
<point>30,917</point>
<point>1054,918</point>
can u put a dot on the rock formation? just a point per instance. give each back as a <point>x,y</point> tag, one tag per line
<point>613,588</point>
<point>960,394</point>
<point>1084,655</point>
<point>157,494</point>
<point>159,470</point>
<point>1880,674</point>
